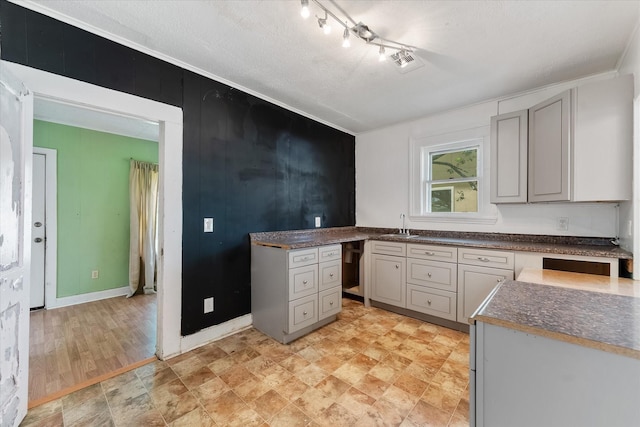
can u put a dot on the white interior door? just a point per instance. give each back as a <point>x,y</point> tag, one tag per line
<point>16,133</point>
<point>38,232</point>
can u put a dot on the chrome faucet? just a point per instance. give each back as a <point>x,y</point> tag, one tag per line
<point>404,229</point>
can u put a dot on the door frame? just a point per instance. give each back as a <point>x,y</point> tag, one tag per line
<point>84,95</point>
<point>51,224</point>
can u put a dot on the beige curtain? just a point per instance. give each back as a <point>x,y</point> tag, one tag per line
<point>143,250</point>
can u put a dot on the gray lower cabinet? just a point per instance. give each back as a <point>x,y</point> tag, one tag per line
<point>294,292</point>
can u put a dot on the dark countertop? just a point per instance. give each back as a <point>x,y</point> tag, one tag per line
<point>585,246</point>
<point>602,320</point>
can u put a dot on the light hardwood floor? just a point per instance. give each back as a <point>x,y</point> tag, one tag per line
<point>76,346</point>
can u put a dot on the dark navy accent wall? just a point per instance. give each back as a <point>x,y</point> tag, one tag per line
<point>249,164</point>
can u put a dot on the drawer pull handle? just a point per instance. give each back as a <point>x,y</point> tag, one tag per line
<point>304,313</point>
<point>429,302</point>
<point>330,302</point>
<point>304,282</point>
<point>304,258</point>
<point>428,274</point>
<point>483,259</point>
<point>330,274</point>
<point>397,266</point>
<point>429,253</point>
<point>330,254</point>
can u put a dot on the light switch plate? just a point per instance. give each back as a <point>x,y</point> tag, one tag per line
<point>208,225</point>
<point>318,223</point>
<point>208,305</point>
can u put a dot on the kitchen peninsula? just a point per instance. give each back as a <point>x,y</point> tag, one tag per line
<point>568,343</point>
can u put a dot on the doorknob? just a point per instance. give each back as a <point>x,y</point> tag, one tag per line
<point>38,224</point>
<point>38,239</point>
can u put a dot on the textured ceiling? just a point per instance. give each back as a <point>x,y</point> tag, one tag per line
<point>472,50</point>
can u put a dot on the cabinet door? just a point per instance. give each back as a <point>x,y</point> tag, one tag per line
<point>474,285</point>
<point>549,163</point>
<point>388,277</point>
<point>509,134</point>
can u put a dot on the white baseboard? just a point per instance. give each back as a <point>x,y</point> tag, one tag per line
<point>83,298</point>
<point>214,333</point>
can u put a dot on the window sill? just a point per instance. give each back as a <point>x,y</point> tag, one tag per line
<point>460,218</point>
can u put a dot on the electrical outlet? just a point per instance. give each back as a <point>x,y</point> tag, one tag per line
<point>208,225</point>
<point>318,222</point>
<point>208,305</point>
<point>563,223</point>
<point>94,274</point>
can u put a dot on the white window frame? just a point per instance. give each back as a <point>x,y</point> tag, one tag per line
<point>419,153</point>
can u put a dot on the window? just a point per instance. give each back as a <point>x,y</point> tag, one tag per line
<point>447,178</point>
<point>451,179</point>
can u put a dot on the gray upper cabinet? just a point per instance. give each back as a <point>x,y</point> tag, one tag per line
<point>549,164</point>
<point>578,147</point>
<point>509,157</point>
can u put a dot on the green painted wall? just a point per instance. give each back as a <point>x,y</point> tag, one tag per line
<point>93,204</point>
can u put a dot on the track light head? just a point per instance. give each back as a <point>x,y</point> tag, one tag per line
<point>322,23</point>
<point>381,54</point>
<point>304,10</point>
<point>345,37</point>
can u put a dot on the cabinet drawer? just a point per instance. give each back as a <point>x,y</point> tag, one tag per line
<point>329,253</point>
<point>330,274</point>
<point>301,257</point>
<point>432,301</point>
<point>486,258</point>
<point>303,281</point>
<point>329,302</point>
<point>435,253</point>
<point>441,275</point>
<point>388,248</point>
<point>303,312</point>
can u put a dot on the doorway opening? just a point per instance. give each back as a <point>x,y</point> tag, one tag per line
<point>89,97</point>
<point>86,239</point>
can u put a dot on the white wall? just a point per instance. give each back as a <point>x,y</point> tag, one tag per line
<point>630,211</point>
<point>382,176</point>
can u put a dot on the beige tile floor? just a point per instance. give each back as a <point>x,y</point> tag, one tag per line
<point>369,368</point>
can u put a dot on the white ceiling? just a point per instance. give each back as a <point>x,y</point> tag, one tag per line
<point>472,50</point>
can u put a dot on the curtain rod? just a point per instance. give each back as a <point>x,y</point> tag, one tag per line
<point>143,161</point>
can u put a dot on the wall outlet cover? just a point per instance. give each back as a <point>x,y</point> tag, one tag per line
<point>208,225</point>
<point>95,274</point>
<point>563,223</point>
<point>318,222</point>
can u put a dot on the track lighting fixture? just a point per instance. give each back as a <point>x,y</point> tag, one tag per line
<point>360,31</point>
<point>304,11</point>
<point>345,38</point>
